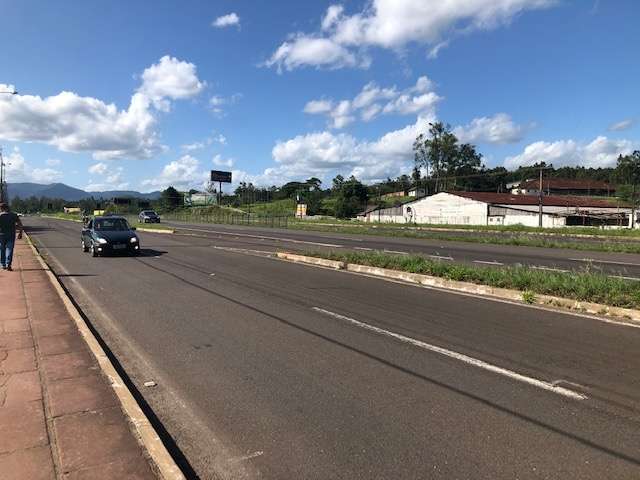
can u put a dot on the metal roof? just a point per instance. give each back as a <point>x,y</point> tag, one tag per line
<point>547,200</point>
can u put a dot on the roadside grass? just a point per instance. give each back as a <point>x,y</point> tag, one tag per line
<point>520,240</point>
<point>583,286</point>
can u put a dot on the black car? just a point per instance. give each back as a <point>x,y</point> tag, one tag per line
<point>148,216</point>
<point>104,235</point>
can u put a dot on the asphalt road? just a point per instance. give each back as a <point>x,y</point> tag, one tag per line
<point>615,264</point>
<point>267,369</point>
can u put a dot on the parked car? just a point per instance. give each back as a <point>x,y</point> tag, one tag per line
<point>148,216</point>
<point>105,235</point>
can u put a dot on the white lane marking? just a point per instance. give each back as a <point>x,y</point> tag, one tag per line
<point>395,251</point>
<point>363,248</point>
<point>248,457</point>
<point>460,357</point>
<point>488,263</point>
<point>624,278</point>
<point>613,262</point>
<point>212,274</point>
<point>550,269</point>
<point>263,237</point>
<point>441,257</point>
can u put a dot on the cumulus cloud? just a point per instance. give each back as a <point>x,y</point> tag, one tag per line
<point>304,50</point>
<point>342,40</point>
<point>182,174</point>
<point>498,129</point>
<point>228,20</point>
<point>84,124</point>
<point>110,177</point>
<point>191,147</point>
<point>19,170</point>
<point>374,100</point>
<point>601,152</point>
<point>326,154</point>
<point>53,162</point>
<point>218,161</point>
<point>170,79</point>
<point>621,125</point>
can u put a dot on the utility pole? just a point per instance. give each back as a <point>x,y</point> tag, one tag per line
<point>540,200</point>
<point>2,186</point>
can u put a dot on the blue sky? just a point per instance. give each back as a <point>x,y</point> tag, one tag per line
<point>158,93</point>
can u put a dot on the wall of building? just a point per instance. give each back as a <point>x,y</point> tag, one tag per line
<point>444,208</point>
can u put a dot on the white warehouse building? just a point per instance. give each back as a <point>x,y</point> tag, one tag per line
<point>487,208</point>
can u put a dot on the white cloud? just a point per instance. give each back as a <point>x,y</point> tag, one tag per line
<point>53,162</point>
<point>84,124</point>
<point>99,168</point>
<point>216,102</point>
<point>170,79</point>
<point>374,100</point>
<point>325,154</point>
<point>111,177</point>
<point>192,147</point>
<point>226,20</point>
<point>304,50</point>
<point>498,129</point>
<point>19,170</point>
<point>601,152</point>
<point>218,161</point>
<point>182,174</point>
<point>331,17</point>
<point>622,125</point>
<point>318,106</point>
<point>393,24</point>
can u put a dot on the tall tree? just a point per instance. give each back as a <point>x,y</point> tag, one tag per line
<point>628,173</point>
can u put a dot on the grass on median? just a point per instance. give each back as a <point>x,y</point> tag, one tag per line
<point>583,286</point>
<point>522,240</point>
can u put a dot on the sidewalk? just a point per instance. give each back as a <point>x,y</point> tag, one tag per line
<point>59,416</point>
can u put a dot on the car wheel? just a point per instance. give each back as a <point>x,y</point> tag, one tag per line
<point>92,249</point>
<point>84,246</point>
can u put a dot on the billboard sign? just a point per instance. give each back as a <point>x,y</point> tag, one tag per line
<point>222,177</point>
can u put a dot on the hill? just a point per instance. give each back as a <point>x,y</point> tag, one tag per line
<point>60,190</point>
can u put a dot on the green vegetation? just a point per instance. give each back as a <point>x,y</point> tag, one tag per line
<point>522,240</point>
<point>583,286</point>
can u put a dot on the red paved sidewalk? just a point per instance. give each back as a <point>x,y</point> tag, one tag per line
<point>59,417</point>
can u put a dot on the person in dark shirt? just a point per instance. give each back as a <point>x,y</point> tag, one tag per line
<point>9,221</point>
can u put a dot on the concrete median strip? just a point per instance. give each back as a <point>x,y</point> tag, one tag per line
<point>147,435</point>
<point>617,315</point>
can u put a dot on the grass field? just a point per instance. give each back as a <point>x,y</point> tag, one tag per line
<point>584,286</point>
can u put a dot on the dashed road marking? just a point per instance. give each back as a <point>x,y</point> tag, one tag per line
<point>441,257</point>
<point>550,269</point>
<point>550,387</point>
<point>396,251</point>
<point>484,262</point>
<point>612,262</point>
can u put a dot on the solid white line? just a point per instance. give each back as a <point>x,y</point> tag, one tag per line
<point>488,263</point>
<point>363,248</point>
<point>441,257</point>
<point>613,262</point>
<point>551,269</point>
<point>282,239</point>
<point>460,357</point>
<point>624,278</point>
<point>396,251</point>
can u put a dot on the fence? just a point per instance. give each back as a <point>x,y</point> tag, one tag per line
<point>271,221</point>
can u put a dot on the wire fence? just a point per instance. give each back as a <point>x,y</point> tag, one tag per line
<point>271,221</point>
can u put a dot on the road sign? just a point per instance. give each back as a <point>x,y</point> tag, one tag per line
<point>222,177</point>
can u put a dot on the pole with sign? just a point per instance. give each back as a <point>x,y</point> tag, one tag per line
<point>220,177</point>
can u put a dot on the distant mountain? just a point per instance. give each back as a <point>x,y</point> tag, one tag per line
<point>60,190</point>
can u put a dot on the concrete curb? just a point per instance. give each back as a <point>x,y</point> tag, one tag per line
<point>153,230</point>
<point>147,435</point>
<point>627,314</point>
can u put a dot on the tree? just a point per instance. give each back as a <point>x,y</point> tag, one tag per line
<point>337,183</point>
<point>170,198</point>
<point>314,183</point>
<point>351,198</point>
<point>628,173</point>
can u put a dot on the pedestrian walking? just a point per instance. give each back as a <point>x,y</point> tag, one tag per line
<point>9,222</point>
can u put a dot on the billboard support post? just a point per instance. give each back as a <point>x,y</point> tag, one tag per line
<point>220,177</point>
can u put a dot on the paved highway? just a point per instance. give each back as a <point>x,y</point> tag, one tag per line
<point>268,369</point>
<point>615,264</point>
